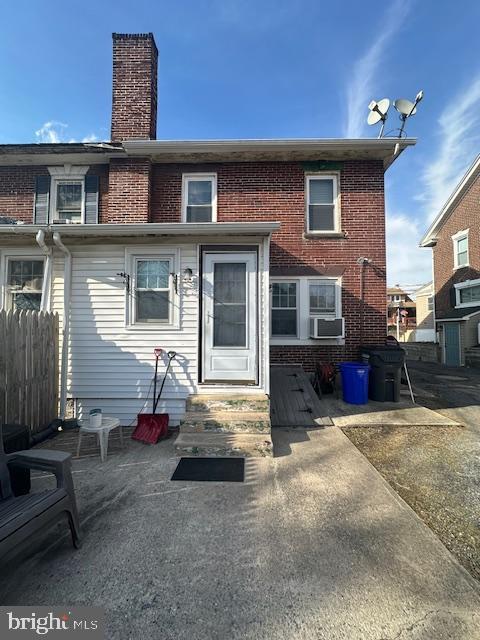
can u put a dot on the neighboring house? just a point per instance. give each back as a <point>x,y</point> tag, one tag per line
<point>454,236</point>
<point>234,253</point>
<point>425,329</point>
<point>400,306</point>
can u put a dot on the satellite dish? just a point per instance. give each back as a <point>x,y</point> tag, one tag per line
<point>405,107</point>
<point>378,112</point>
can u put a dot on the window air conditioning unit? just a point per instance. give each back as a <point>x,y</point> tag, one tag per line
<point>327,328</point>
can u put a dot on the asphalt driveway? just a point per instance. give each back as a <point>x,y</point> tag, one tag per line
<point>313,545</point>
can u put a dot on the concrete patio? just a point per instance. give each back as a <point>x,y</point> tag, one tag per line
<point>313,545</point>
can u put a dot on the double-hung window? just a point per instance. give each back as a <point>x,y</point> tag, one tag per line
<point>24,283</point>
<point>284,309</point>
<point>151,289</point>
<point>460,249</point>
<point>199,197</point>
<point>68,195</point>
<point>430,303</point>
<point>68,201</point>
<point>323,213</point>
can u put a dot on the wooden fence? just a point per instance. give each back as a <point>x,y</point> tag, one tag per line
<point>28,368</point>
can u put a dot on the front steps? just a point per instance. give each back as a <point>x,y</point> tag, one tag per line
<point>226,425</point>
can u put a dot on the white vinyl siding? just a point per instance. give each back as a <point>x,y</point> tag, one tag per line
<point>111,364</point>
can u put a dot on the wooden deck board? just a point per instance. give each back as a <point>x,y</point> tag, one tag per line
<point>289,405</point>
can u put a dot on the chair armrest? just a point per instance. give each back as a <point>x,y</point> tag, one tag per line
<point>57,462</point>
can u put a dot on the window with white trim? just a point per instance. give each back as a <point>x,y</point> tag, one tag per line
<point>430,303</point>
<point>24,283</point>
<point>323,212</point>
<point>152,290</point>
<point>469,295</point>
<point>322,298</point>
<point>460,249</point>
<point>199,197</point>
<point>284,309</point>
<point>294,301</point>
<point>67,194</point>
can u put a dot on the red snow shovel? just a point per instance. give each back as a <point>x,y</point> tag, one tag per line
<point>152,427</point>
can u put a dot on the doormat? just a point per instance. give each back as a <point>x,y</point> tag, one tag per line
<point>210,469</point>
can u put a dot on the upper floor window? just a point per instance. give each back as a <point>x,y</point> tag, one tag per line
<point>199,197</point>
<point>24,284</point>
<point>323,212</point>
<point>430,303</point>
<point>67,196</point>
<point>460,249</point>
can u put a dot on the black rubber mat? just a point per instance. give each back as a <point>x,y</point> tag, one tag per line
<point>210,469</point>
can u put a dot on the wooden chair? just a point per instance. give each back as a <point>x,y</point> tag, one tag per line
<point>22,516</point>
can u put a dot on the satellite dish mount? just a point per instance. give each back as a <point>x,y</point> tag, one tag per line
<point>379,112</point>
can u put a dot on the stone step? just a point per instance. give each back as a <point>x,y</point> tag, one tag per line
<point>243,445</point>
<point>227,402</point>
<point>226,422</point>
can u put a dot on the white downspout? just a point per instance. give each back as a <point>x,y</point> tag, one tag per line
<point>47,275</point>
<point>67,284</point>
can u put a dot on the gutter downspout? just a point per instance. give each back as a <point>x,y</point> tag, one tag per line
<point>67,285</point>
<point>47,276</point>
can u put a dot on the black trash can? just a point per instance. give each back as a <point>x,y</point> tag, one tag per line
<point>386,365</point>
<point>16,437</point>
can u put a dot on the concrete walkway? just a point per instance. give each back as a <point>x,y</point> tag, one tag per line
<point>314,545</point>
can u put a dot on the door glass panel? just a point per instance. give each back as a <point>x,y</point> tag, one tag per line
<point>229,304</point>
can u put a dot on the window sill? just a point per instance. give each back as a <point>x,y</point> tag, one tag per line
<point>461,266</point>
<point>298,342</point>
<point>146,328</point>
<point>324,234</point>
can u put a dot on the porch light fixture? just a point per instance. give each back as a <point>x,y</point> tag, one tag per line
<point>187,275</point>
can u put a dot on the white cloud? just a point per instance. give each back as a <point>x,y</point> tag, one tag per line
<point>407,263</point>
<point>361,86</point>
<point>459,126</point>
<point>55,132</point>
<point>51,131</point>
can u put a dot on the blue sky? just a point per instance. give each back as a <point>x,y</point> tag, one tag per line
<point>263,69</point>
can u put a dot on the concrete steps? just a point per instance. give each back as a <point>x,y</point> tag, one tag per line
<point>243,445</point>
<point>226,424</point>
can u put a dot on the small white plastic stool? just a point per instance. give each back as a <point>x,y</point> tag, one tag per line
<point>108,423</point>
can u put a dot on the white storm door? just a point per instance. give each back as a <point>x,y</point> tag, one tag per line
<point>230,317</point>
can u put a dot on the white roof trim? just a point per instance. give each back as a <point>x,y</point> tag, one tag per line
<point>429,238</point>
<point>147,229</point>
<point>459,319</point>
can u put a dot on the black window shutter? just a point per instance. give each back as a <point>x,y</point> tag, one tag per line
<point>453,297</point>
<point>91,199</point>
<point>42,199</point>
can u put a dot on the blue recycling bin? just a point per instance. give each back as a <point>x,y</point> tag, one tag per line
<point>355,382</point>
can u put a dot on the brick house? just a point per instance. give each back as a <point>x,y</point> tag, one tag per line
<point>454,237</point>
<point>234,253</point>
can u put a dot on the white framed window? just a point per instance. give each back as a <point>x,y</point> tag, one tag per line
<point>430,303</point>
<point>199,197</point>
<point>295,301</point>
<point>152,289</point>
<point>322,204</point>
<point>23,282</point>
<point>468,293</point>
<point>322,298</point>
<point>284,315</point>
<point>460,249</point>
<point>67,194</point>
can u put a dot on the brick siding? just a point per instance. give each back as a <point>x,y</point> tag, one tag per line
<point>465,216</point>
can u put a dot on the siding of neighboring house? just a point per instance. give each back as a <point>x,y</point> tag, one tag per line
<point>465,216</point>
<point>425,329</point>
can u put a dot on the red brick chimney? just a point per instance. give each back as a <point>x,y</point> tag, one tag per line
<point>134,104</point>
